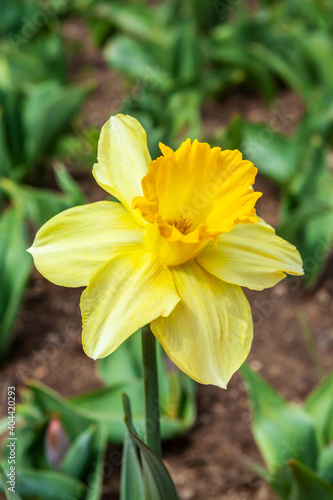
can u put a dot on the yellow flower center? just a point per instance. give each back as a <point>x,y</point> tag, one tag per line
<point>181,224</point>
<point>192,195</point>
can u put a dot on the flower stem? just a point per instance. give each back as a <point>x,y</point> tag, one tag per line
<point>150,383</point>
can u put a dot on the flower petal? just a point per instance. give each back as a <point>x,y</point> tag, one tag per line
<point>75,243</point>
<point>209,333</point>
<point>127,293</point>
<point>123,159</point>
<point>251,255</point>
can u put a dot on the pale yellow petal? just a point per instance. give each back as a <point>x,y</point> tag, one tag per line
<point>251,255</point>
<point>209,333</point>
<point>75,243</point>
<point>124,295</point>
<point>123,159</point>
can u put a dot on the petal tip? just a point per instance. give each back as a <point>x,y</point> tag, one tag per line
<point>91,354</point>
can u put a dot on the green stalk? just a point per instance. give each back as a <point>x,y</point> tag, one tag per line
<point>150,384</point>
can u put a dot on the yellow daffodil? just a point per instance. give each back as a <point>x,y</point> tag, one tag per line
<point>174,252</point>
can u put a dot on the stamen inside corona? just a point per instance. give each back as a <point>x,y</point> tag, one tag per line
<point>182,224</point>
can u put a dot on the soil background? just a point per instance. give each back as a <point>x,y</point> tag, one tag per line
<point>211,462</point>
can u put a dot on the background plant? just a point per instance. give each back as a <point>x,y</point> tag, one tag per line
<point>63,442</point>
<point>178,56</point>
<point>36,109</point>
<point>295,442</point>
<point>175,57</point>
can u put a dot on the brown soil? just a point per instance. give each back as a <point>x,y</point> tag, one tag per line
<point>211,461</point>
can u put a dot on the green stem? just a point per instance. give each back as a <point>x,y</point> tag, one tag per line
<point>150,383</point>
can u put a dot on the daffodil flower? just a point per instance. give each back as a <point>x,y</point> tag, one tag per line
<point>174,252</point>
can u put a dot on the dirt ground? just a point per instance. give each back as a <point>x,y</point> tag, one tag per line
<point>211,462</point>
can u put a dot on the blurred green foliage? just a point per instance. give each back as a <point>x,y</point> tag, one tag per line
<point>178,55</point>
<point>36,109</point>
<point>175,56</point>
<point>64,441</point>
<point>296,442</point>
<point>160,49</point>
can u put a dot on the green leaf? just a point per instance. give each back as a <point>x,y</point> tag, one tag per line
<point>186,54</point>
<point>30,444</point>
<point>134,19</point>
<point>29,414</point>
<point>51,49</point>
<point>10,495</point>
<point>325,464</point>
<point>282,431</point>
<point>138,61</point>
<point>24,64</point>
<point>39,205</point>
<point>95,480</point>
<point>74,194</point>
<point>48,485</point>
<point>5,164</point>
<point>131,483</point>
<point>48,111</point>
<point>124,365</point>
<point>19,68</point>
<point>12,152</point>
<point>104,405</point>
<point>3,425</point>
<point>11,16</point>
<point>52,404</point>
<point>318,49</point>
<point>310,228</point>
<point>205,13</point>
<point>319,405</point>
<point>229,47</point>
<point>185,107</point>
<point>313,178</point>
<point>84,459</point>
<point>15,268</point>
<point>158,483</point>
<point>256,388</point>
<point>309,485</point>
<point>78,457</point>
<point>283,69</point>
<point>274,154</point>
